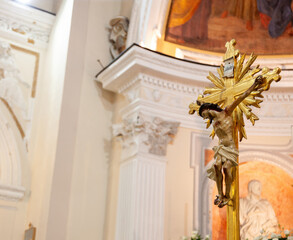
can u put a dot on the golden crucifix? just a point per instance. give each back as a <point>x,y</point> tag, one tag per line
<point>238,87</point>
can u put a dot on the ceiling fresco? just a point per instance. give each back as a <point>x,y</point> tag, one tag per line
<point>260,26</point>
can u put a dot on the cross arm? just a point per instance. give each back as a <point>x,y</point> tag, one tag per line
<point>258,81</point>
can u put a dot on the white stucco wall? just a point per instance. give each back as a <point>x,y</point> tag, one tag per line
<point>45,124</point>
<point>93,130</point>
<point>73,128</point>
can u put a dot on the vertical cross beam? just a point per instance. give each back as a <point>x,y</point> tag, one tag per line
<point>233,223</point>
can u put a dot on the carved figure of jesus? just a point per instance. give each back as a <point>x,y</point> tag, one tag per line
<point>226,153</point>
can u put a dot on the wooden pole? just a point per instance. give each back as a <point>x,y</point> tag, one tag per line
<point>233,223</point>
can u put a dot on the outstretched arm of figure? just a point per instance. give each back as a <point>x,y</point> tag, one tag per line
<point>258,81</point>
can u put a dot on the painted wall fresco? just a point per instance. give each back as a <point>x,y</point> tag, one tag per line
<point>277,188</point>
<point>259,26</point>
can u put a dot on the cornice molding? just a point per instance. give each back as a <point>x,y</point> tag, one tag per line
<point>276,94</point>
<point>25,24</point>
<point>136,60</point>
<point>282,61</point>
<point>160,85</point>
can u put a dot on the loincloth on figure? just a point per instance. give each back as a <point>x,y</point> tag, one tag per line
<point>224,154</point>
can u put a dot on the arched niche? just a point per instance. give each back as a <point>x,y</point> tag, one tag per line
<point>276,175</point>
<point>13,157</point>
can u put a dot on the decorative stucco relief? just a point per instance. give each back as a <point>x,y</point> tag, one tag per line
<point>11,83</point>
<point>118,34</point>
<point>25,30</point>
<point>26,24</point>
<point>14,111</point>
<point>15,92</point>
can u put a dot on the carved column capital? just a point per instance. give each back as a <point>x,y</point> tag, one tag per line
<point>145,134</point>
<point>159,134</point>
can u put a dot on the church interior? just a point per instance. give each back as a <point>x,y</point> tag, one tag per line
<point>95,125</point>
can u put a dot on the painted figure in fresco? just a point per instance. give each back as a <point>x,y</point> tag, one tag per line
<point>243,9</point>
<point>191,22</point>
<point>226,153</point>
<point>276,15</point>
<point>192,26</point>
<point>256,214</point>
<point>273,14</point>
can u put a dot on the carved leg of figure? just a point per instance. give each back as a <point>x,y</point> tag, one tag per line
<point>227,168</point>
<point>219,181</point>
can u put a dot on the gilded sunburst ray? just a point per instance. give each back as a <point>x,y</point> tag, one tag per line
<point>227,89</point>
